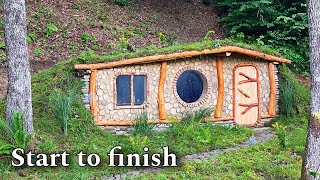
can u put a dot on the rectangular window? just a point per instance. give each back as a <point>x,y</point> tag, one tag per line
<point>131,90</point>
<point>123,90</point>
<point>139,89</point>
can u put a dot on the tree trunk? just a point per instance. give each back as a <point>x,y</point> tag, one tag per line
<point>311,161</point>
<point>19,76</point>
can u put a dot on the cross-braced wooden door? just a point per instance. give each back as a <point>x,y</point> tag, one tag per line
<point>246,94</point>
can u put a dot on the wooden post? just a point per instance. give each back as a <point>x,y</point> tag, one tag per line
<point>218,111</point>
<point>272,96</point>
<point>162,80</point>
<point>93,90</point>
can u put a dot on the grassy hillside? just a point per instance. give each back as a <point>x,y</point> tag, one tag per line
<point>59,30</point>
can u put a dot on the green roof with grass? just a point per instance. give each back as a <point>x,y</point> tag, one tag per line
<point>90,57</point>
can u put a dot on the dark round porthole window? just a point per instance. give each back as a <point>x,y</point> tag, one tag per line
<point>190,86</point>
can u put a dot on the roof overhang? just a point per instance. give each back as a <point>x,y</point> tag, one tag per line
<point>167,57</point>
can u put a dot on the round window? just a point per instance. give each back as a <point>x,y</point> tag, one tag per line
<point>190,86</point>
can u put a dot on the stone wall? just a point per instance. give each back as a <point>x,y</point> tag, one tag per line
<point>228,64</point>
<point>206,65</point>
<point>106,92</point>
<point>174,106</point>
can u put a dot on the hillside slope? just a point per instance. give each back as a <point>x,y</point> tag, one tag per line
<point>58,29</point>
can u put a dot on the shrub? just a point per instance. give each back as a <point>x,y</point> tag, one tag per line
<point>50,29</point>
<point>194,118</point>
<point>162,39</point>
<point>137,143</point>
<point>282,135</point>
<point>37,51</point>
<point>61,104</point>
<point>142,127</point>
<point>85,37</point>
<point>121,2</point>
<point>208,35</point>
<point>14,136</point>
<point>286,101</point>
<point>294,97</point>
<point>282,24</point>
<point>124,42</point>
<point>31,38</point>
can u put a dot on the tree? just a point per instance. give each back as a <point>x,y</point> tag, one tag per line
<point>311,162</point>
<point>19,75</point>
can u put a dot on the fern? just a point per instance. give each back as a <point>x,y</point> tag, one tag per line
<point>14,136</point>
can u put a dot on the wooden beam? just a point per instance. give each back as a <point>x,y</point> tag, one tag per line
<point>224,54</point>
<point>218,111</point>
<point>273,91</point>
<point>93,90</point>
<point>219,119</point>
<point>131,123</point>
<point>267,116</point>
<point>162,80</point>
<point>157,58</point>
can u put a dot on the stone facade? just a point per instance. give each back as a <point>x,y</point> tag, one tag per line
<point>206,65</point>
<point>174,106</point>
<point>106,92</point>
<point>228,64</point>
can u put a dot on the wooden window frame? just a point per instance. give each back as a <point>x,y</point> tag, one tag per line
<point>132,105</point>
<point>206,87</point>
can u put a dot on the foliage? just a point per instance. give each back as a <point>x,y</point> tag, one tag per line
<point>207,36</point>
<point>124,42</point>
<point>50,29</point>
<point>162,39</point>
<point>62,103</point>
<point>142,127</point>
<point>282,135</point>
<point>294,97</point>
<point>256,162</point>
<point>261,161</point>
<point>31,38</point>
<point>138,142</point>
<point>125,36</point>
<point>85,37</point>
<point>14,135</point>
<point>37,51</point>
<point>121,2</point>
<point>286,100</point>
<point>194,118</point>
<point>281,24</point>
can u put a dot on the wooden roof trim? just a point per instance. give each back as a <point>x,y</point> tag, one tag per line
<point>156,58</point>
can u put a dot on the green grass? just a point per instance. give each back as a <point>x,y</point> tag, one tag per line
<point>90,57</point>
<point>264,161</point>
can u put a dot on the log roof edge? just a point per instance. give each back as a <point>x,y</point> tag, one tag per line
<point>185,54</point>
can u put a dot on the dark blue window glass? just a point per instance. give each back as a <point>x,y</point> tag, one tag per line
<point>139,89</point>
<point>190,86</point>
<point>123,90</point>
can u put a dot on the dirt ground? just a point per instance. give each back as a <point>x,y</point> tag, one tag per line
<point>182,20</point>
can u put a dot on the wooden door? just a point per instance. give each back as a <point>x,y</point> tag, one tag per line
<point>246,105</point>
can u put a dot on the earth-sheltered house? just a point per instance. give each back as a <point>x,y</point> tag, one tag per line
<point>240,85</point>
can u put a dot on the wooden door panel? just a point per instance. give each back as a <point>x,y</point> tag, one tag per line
<point>246,95</point>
